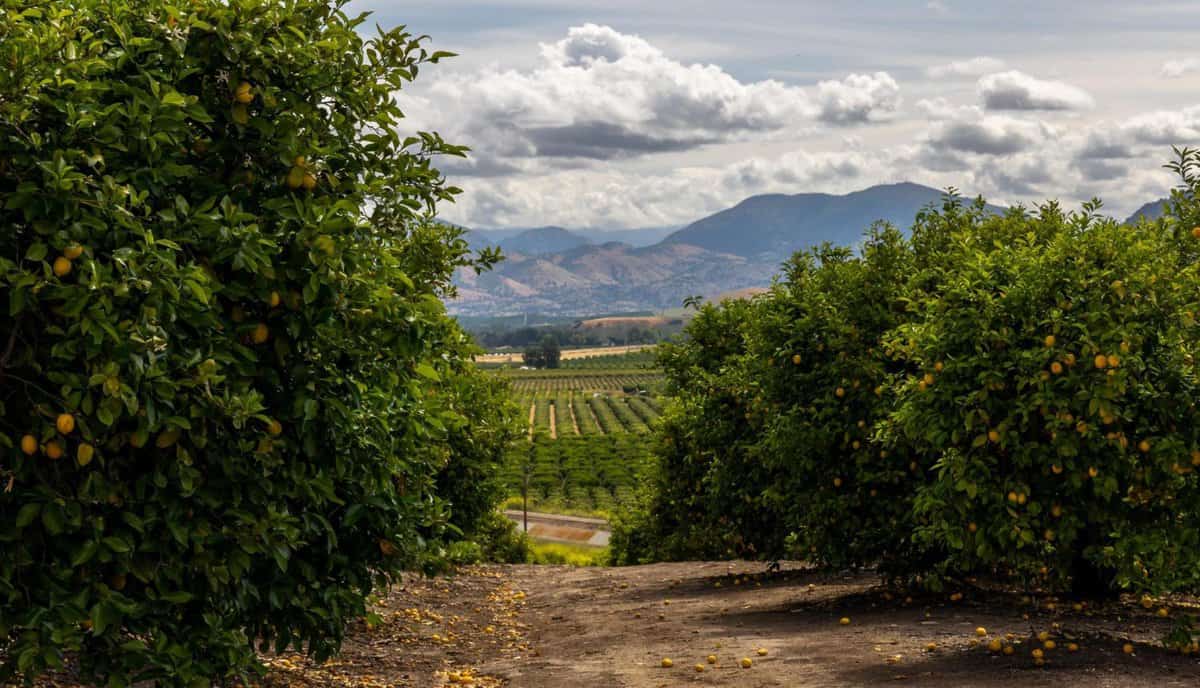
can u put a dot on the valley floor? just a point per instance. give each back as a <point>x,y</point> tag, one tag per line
<point>551,627</point>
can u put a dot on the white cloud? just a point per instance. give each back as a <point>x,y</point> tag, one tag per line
<point>1164,128</point>
<point>990,135</point>
<point>1173,69</point>
<point>973,67</point>
<point>858,98</point>
<point>939,108</point>
<point>1015,90</point>
<point>599,94</point>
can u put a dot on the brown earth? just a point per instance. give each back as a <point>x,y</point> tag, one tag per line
<point>582,627</point>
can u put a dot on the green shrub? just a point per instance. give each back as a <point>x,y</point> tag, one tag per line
<point>229,390</point>
<point>1006,394</point>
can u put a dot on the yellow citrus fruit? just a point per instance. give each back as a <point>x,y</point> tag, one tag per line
<point>1049,645</point>
<point>746,663</point>
<point>53,450</point>
<point>239,113</point>
<point>928,379</point>
<point>1009,649</point>
<point>795,359</point>
<point>995,645</point>
<point>62,267</point>
<point>1056,469</point>
<point>261,333</point>
<point>1196,232</point>
<point>1043,636</point>
<point>1163,612</point>
<point>1056,368</point>
<point>939,366</point>
<point>1113,361</point>
<point>1127,648</point>
<point>993,436</point>
<point>1144,446</point>
<point>1050,341</point>
<point>837,482</point>
<point>1013,497</point>
<point>1100,361</point>
<point>274,299</point>
<point>761,652</point>
<point>667,663</point>
<point>1069,359</point>
<point>274,427</point>
<point>309,182</point>
<point>845,621</point>
<point>972,527</point>
<point>711,659</point>
<point>244,93</point>
<point>981,631</point>
<point>1072,647</point>
<point>1093,472</point>
<point>72,252</point>
<point>295,177</point>
<point>65,423</point>
<point>699,668</point>
<point>29,445</point>
<point>839,392</point>
<point>84,454</point>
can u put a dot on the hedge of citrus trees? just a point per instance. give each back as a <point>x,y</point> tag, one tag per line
<point>231,403</point>
<point>1007,394</point>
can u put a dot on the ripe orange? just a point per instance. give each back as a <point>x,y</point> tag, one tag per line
<point>995,645</point>
<point>72,252</point>
<point>993,436</point>
<point>1093,472</point>
<point>53,450</point>
<point>1113,361</point>
<point>244,93</point>
<point>839,392</point>
<point>273,299</point>
<point>667,663</point>
<point>295,177</point>
<point>1100,361</point>
<point>261,333</point>
<point>761,652</point>
<point>1050,341</point>
<point>1144,446</point>
<point>309,182</point>
<point>699,668</point>
<point>1069,359</point>
<point>1196,232</point>
<point>29,445</point>
<point>1056,368</point>
<point>65,423</point>
<point>62,267</point>
<point>972,527</point>
<point>1013,497</point>
<point>981,631</point>
<point>928,379</point>
<point>795,359</point>
<point>845,621</point>
<point>711,659</point>
<point>746,663</point>
<point>939,366</point>
<point>1127,648</point>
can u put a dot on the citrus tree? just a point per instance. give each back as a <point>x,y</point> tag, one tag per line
<point>1063,424</point>
<point>229,393</point>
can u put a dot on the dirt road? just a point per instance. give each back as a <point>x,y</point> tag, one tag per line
<point>552,627</point>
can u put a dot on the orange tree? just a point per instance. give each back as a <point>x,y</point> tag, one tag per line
<point>229,393</point>
<point>1006,394</point>
<point>1063,425</point>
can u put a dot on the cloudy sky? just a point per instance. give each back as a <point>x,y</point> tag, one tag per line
<point>636,113</point>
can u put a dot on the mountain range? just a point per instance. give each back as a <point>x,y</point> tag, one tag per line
<point>572,272</point>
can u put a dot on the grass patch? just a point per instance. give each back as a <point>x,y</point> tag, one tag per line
<point>570,555</point>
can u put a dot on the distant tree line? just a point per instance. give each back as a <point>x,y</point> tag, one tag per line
<point>546,354</point>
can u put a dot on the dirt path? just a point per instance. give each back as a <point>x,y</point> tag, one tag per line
<point>559,627</point>
<point>532,415</point>
<point>553,421</point>
<point>612,627</point>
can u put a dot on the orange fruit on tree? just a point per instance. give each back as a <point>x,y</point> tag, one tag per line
<point>261,333</point>
<point>62,266</point>
<point>84,454</point>
<point>273,299</point>
<point>29,445</point>
<point>295,177</point>
<point>1113,361</point>
<point>1196,232</point>
<point>1050,341</point>
<point>72,252</point>
<point>53,450</point>
<point>65,423</point>
<point>244,93</point>
<point>1144,446</point>
<point>274,427</point>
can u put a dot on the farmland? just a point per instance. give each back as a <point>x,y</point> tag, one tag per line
<point>587,442</point>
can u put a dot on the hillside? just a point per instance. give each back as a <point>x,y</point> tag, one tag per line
<point>556,271</point>
<point>778,225</point>
<point>1151,211</point>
